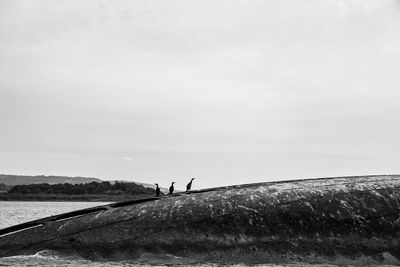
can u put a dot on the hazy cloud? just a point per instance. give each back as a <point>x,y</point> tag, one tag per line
<point>128,158</point>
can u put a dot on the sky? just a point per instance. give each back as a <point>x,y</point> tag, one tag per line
<point>227,91</point>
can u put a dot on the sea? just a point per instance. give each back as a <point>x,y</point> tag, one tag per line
<point>15,212</point>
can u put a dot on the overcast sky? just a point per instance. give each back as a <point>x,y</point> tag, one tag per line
<point>227,91</point>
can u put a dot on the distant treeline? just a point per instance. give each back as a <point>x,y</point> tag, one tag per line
<point>93,188</point>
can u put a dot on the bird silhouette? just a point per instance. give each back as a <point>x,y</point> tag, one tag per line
<point>171,188</point>
<point>157,191</point>
<point>189,185</point>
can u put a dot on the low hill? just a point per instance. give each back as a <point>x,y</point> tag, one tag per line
<point>11,180</point>
<point>40,179</point>
<point>87,188</point>
<point>93,191</point>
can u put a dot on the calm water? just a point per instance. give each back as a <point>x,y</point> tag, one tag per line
<point>18,212</point>
<point>15,212</point>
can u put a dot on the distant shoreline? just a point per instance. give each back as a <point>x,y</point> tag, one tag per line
<point>70,198</point>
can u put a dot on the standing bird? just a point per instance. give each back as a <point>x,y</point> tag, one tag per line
<point>171,188</point>
<point>189,185</point>
<point>157,191</point>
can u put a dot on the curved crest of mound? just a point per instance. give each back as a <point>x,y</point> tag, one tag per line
<point>337,220</point>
